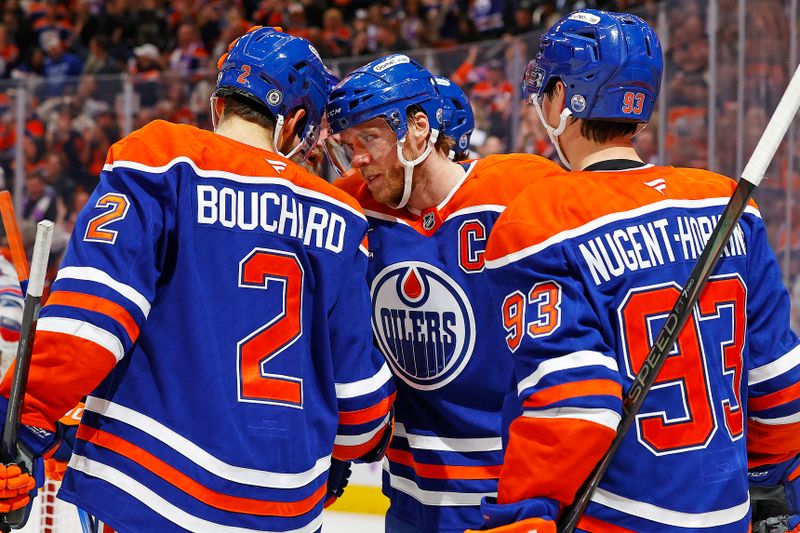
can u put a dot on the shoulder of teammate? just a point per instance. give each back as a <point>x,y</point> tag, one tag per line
<point>710,183</point>
<point>536,213</point>
<point>157,143</point>
<point>523,163</point>
<point>498,179</point>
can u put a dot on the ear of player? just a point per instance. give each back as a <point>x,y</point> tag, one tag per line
<point>277,73</point>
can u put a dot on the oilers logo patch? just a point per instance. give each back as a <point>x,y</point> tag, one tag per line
<point>423,322</point>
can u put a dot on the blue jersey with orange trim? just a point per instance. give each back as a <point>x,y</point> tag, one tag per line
<point>583,274</point>
<point>212,305</point>
<point>429,294</point>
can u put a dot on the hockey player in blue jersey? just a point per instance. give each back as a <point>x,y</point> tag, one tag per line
<point>429,220</point>
<point>584,271</point>
<point>212,306</point>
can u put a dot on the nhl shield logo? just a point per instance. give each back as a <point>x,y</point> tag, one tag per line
<point>423,322</point>
<point>428,221</point>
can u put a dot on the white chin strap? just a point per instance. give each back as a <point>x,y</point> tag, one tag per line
<point>408,166</point>
<point>276,136</point>
<point>552,132</point>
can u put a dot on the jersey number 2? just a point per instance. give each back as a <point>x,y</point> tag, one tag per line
<point>116,206</point>
<point>267,269</point>
<point>686,371</point>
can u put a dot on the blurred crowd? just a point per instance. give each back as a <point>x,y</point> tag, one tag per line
<point>93,70</point>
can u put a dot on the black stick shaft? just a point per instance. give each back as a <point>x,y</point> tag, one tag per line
<point>18,385</point>
<point>9,451</point>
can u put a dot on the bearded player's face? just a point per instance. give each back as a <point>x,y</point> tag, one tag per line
<point>374,154</point>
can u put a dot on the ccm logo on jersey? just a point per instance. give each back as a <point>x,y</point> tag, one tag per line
<point>423,322</point>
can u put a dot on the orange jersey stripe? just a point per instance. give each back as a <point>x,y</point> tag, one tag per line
<point>99,305</point>
<point>444,471</point>
<point>368,414</point>
<point>64,369</point>
<point>191,487</point>
<point>774,399</point>
<point>590,387</point>
<point>768,444</point>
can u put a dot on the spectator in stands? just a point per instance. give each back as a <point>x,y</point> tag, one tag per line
<point>40,199</point>
<point>9,53</point>
<point>146,68</point>
<point>61,68</point>
<point>189,54</point>
<point>337,37</point>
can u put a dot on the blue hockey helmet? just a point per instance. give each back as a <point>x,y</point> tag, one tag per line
<point>457,118</point>
<point>278,73</point>
<point>385,88</point>
<point>610,63</point>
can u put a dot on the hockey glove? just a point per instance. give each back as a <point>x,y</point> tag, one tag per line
<point>56,460</point>
<point>775,491</point>
<point>338,476</point>
<point>20,479</point>
<point>15,486</point>
<point>518,517</point>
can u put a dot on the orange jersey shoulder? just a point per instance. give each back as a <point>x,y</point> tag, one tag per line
<point>573,199</point>
<point>159,143</point>
<point>498,179</point>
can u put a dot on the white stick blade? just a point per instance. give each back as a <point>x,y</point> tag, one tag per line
<point>771,138</point>
<point>41,251</point>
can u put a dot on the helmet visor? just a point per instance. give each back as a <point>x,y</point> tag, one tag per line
<point>365,144</point>
<point>533,82</point>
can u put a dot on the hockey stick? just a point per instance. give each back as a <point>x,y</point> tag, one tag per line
<point>14,240</point>
<point>751,177</point>
<point>9,452</point>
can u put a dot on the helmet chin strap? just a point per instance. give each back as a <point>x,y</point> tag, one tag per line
<point>276,137</point>
<point>214,117</point>
<point>552,132</point>
<point>408,166</point>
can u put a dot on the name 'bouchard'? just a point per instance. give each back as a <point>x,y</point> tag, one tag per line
<point>271,212</point>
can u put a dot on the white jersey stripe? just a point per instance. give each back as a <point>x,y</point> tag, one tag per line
<point>775,368</point>
<point>609,219</point>
<point>364,386</point>
<point>170,512</point>
<point>604,417</point>
<point>221,174</point>
<point>435,497</point>
<point>357,440</point>
<point>791,419</point>
<point>98,276</point>
<point>448,444</point>
<point>566,362</point>
<point>83,330</point>
<point>648,511</point>
<point>382,216</point>
<point>477,209</point>
<point>187,448</point>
